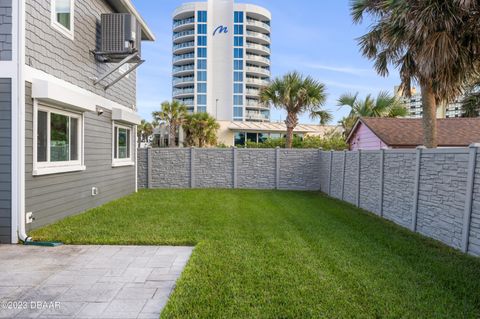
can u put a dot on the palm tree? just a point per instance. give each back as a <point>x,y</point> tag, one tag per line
<point>432,42</point>
<point>200,130</point>
<point>324,116</point>
<point>385,105</point>
<point>144,130</point>
<point>347,123</point>
<point>173,114</point>
<point>295,94</point>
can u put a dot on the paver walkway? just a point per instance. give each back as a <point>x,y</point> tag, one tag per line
<point>88,281</point>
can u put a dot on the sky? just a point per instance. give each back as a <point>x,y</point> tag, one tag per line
<point>317,38</point>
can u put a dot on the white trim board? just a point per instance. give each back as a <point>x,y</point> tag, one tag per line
<point>32,74</point>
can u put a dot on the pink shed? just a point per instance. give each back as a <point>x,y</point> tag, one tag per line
<point>363,138</point>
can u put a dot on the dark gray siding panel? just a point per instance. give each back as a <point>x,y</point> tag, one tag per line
<point>71,60</point>
<point>52,197</point>
<point>5,160</point>
<point>5,30</point>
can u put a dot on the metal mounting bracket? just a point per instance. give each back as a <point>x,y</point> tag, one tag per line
<point>128,59</point>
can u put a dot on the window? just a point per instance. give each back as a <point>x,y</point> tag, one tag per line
<point>238,64</point>
<point>237,100</point>
<point>202,29</point>
<point>62,16</point>
<point>202,16</point>
<point>201,99</point>
<point>238,41</point>
<point>239,29</point>
<point>202,40</point>
<point>238,15</point>
<point>201,109</point>
<point>57,142</point>
<point>238,88</point>
<point>202,87</point>
<point>239,139</point>
<point>238,112</point>
<point>122,145</point>
<point>238,53</point>
<point>202,75</point>
<point>238,76</point>
<point>202,64</point>
<point>202,52</point>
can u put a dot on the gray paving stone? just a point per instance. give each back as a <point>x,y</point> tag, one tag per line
<point>90,281</point>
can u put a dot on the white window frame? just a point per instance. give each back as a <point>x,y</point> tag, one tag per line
<point>59,27</point>
<point>47,168</point>
<point>119,162</point>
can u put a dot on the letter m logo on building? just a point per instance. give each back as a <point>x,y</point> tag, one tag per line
<point>220,29</point>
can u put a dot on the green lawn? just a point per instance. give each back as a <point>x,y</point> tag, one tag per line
<point>272,254</point>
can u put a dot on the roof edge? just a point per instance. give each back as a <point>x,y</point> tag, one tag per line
<point>126,6</point>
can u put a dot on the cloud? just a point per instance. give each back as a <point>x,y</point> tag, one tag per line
<point>340,69</point>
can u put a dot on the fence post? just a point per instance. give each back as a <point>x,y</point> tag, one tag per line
<point>277,167</point>
<point>234,149</point>
<point>149,168</point>
<point>359,176</point>
<point>192,167</point>
<point>472,160</point>
<point>382,172</point>
<point>343,174</point>
<point>330,174</point>
<point>416,187</point>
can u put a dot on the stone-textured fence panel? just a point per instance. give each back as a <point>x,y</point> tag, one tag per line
<point>398,186</point>
<point>297,169</point>
<point>434,192</point>
<point>351,178</point>
<point>256,168</point>
<point>213,168</point>
<point>474,238</point>
<point>370,180</point>
<point>441,197</point>
<point>337,175</point>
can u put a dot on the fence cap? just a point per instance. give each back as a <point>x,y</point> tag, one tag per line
<point>421,147</point>
<point>477,145</point>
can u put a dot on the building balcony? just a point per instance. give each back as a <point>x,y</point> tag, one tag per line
<point>257,25</point>
<point>183,58</point>
<point>183,47</point>
<point>256,116</point>
<point>184,92</point>
<point>258,59</point>
<point>257,48</point>
<point>258,71</point>
<point>183,81</point>
<point>257,82</point>
<point>183,24</point>
<point>183,70</point>
<point>258,37</point>
<point>183,36</point>
<point>187,102</point>
<point>252,92</point>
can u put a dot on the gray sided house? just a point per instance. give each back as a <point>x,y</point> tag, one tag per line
<point>67,108</point>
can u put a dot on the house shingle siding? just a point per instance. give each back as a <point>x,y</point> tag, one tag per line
<point>5,30</point>
<point>5,160</point>
<point>71,60</point>
<point>52,197</point>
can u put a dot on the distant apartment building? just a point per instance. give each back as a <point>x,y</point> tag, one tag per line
<point>67,108</point>
<point>221,59</point>
<point>415,108</point>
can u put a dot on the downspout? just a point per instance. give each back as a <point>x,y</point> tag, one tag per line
<point>22,234</point>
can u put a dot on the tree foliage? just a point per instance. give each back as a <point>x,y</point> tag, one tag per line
<point>200,130</point>
<point>296,94</point>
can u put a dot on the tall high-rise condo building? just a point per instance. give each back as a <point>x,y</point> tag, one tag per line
<point>221,59</point>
